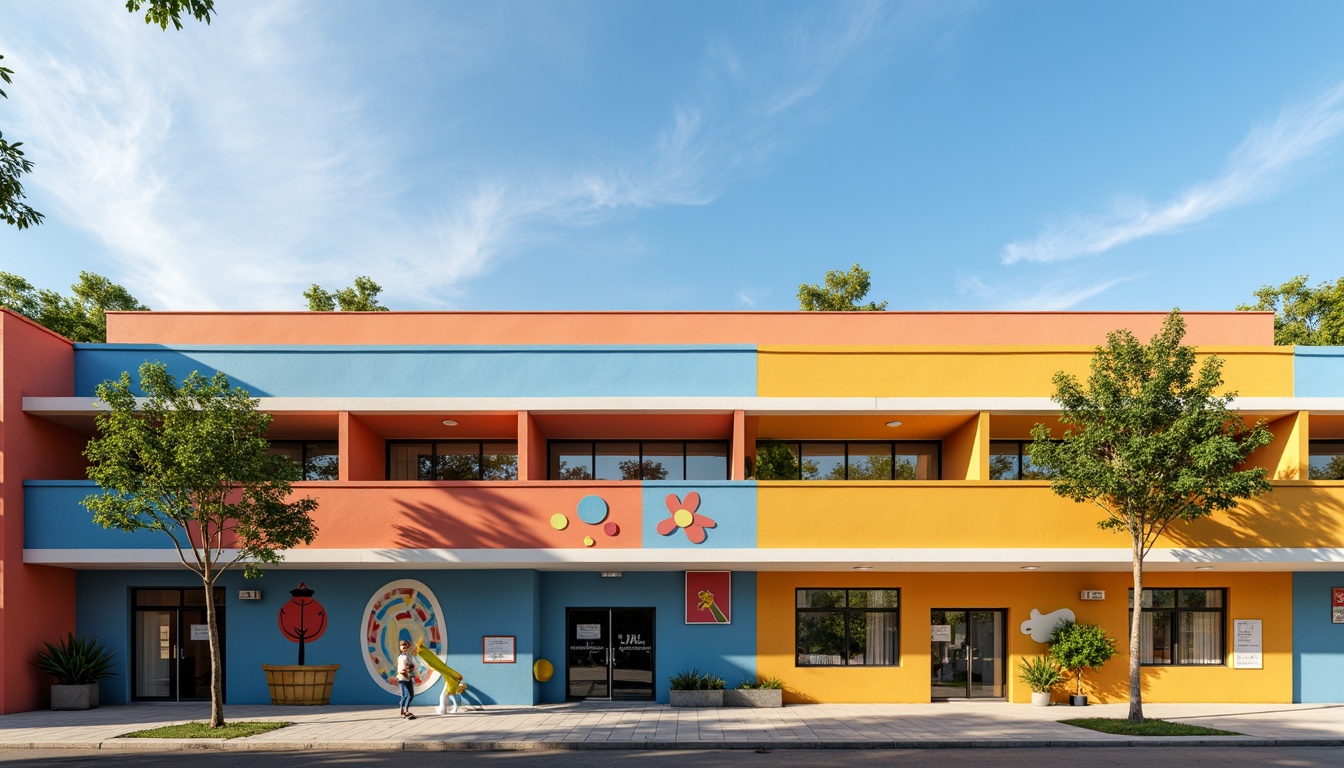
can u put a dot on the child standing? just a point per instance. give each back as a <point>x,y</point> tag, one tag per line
<point>406,678</point>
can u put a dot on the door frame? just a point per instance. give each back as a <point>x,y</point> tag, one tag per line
<point>1002,652</point>
<point>179,641</point>
<point>610,640</point>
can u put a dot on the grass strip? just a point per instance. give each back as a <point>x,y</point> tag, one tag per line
<point>232,730</point>
<point>1148,727</point>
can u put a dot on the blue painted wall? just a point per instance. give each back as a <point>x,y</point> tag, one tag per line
<point>726,650</point>
<point>441,371</point>
<point>53,518</point>
<point>475,603</point>
<point>1318,371</point>
<point>730,504</point>
<point>1318,645</point>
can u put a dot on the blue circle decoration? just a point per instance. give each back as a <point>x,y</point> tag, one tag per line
<point>592,509</point>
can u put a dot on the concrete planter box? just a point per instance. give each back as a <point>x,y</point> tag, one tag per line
<point>696,698</point>
<point>74,696</point>
<point>754,697</point>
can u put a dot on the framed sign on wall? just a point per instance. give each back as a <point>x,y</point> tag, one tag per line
<point>499,649</point>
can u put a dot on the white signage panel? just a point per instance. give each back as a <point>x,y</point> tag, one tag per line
<point>1247,651</point>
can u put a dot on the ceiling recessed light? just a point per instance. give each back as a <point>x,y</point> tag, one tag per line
<point>893,423</point>
<point>449,423</point>
<point>1030,567</point>
<point>1203,567</point>
<point>863,567</point>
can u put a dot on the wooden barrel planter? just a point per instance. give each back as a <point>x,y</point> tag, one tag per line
<point>306,685</point>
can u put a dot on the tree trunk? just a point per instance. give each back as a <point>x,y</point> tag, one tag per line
<point>216,662</point>
<point>1135,623</point>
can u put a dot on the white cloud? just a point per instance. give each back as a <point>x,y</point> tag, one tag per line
<point>1257,168</point>
<point>1051,296</point>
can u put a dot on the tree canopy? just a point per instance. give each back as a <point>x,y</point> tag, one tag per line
<point>1303,315</point>
<point>192,460</point>
<point>1149,442</point>
<point>81,316</point>
<point>13,164</point>
<point>360,297</point>
<point>840,292</point>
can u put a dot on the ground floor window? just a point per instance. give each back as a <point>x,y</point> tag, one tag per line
<point>848,627</point>
<point>1182,627</point>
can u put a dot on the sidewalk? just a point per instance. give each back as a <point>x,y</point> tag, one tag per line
<point>655,726</point>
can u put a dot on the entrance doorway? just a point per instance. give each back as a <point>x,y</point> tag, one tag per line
<point>170,644</point>
<point>969,653</point>
<point>610,653</point>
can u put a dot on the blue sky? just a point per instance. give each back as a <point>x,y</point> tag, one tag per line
<point>682,155</point>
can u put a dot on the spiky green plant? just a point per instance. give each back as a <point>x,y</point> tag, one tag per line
<point>76,660</point>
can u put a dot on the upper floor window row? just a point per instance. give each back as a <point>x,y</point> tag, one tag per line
<point>1011,460</point>
<point>630,460</point>
<point>452,460</point>
<point>788,460</point>
<point>317,459</point>
<point>1327,460</point>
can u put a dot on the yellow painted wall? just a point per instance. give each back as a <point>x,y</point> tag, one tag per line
<point>993,514</point>
<point>966,449</point>
<point>977,371</point>
<point>1250,596</point>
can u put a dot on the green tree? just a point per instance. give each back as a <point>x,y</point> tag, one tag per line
<point>192,460</point>
<point>81,316</point>
<point>1149,442</point>
<point>13,210</point>
<point>841,292</point>
<point>1076,647</point>
<point>1305,316</point>
<point>361,297</point>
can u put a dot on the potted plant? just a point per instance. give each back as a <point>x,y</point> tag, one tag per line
<point>693,689</point>
<point>1041,674</point>
<point>77,663</point>
<point>766,693</point>
<point>1076,647</point>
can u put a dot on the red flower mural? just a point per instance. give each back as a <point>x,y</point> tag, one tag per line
<point>685,517</point>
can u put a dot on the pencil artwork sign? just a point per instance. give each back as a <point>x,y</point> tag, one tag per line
<point>709,597</point>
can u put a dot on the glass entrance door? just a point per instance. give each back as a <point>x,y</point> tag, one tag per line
<point>609,653</point>
<point>170,648</point>
<point>968,654</point>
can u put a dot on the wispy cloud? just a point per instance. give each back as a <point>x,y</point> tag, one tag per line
<point>1054,295</point>
<point>1261,165</point>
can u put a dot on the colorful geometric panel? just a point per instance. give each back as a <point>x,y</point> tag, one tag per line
<point>402,610</point>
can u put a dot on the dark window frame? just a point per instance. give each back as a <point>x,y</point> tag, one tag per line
<point>1022,457</point>
<point>1174,626</point>
<point>592,456</point>
<point>797,445</point>
<point>1337,445</point>
<point>845,612</point>
<point>303,445</point>
<point>434,453</point>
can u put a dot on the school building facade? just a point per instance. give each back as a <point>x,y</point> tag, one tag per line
<point>842,501</point>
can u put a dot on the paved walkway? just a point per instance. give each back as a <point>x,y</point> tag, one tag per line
<point>654,726</point>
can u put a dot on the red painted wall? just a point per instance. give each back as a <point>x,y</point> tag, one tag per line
<point>37,603</point>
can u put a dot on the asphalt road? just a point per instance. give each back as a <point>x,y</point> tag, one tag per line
<point>1063,757</point>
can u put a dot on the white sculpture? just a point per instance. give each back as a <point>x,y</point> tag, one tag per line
<point>1039,626</point>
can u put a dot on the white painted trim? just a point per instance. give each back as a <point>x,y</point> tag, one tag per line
<point>889,560</point>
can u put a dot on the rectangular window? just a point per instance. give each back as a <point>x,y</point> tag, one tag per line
<point>1011,460</point>
<point>452,460</point>
<point>631,460</point>
<point>1182,627</point>
<point>1327,459</point>
<point>847,627</point>
<point>830,460</point>
<point>316,459</point>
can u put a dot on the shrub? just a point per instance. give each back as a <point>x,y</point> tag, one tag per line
<point>1040,673</point>
<point>77,660</point>
<point>693,680</point>
<point>1076,647</point>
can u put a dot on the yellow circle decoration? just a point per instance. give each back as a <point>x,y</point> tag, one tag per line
<point>559,522</point>
<point>542,670</point>
<point>588,541</point>
<point>683,518</point>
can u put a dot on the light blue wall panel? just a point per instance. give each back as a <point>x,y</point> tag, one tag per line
<point>475,604</point>
<point>730,504</point>
<point>727,650</point>
<point>1318,372</point>
<point>442,371</point>
<point>53,518</point>
<point>1318,644</point>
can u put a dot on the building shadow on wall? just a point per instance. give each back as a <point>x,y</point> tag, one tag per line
<point>478,518</point>
<point>1296,516</point>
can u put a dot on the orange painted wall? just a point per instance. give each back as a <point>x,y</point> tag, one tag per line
<point>1250,596</point>
<point>1022,513</point>
<point>911,328</point>
<point>37,603</point>
<point>363,451</point>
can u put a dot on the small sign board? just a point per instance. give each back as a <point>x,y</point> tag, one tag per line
<point>499,649</point>
<point>1337,605</point>
<point>1092,594</point>
<point>588,631</point>
<point>1247,652</point>
<point>249,594</point>
<point>200,631</point>
<point>942,633</point>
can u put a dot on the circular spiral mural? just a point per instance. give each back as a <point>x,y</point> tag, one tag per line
<point>402,610</point>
